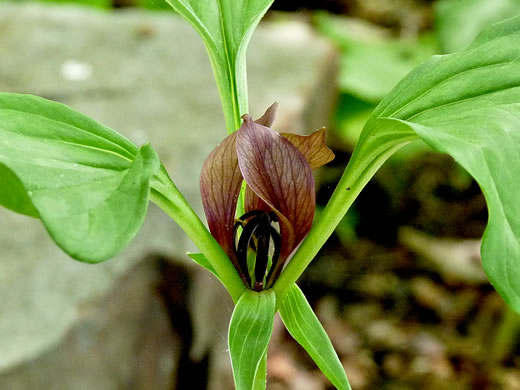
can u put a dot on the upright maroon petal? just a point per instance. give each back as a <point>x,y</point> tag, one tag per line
<point>220,182</point>
<point>313,147</point>
<point>252,201</point>
<point>269,116</point>
<point>281,176</point>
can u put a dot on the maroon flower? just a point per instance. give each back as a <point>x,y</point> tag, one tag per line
<point>279,199</point>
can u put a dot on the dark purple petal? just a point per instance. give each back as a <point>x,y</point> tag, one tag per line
<point>269,116</point>
<point>313,147</point>
<point>220,183</point>
<point>281,176</point>
<point>253,202</point>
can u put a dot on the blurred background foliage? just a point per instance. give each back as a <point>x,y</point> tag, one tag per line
<point>107,4</point>
<point>380,41</point>
<point>411,238</point>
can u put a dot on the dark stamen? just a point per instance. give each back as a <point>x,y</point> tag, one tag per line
<point>258,234</point>
<point>250,214</point>
<point>276,266</point>
<point>242,271</point>
<point>238,224</point>
<point>262,251</point>
<point>243,244</point>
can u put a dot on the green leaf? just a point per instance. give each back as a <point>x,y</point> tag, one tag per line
<point>15,198</point>
<point>304,326</point>
<point>226,27</point>
<point>249,334</point>
<point>201,260</point>
<point>88,184</point>
<point>465,104</point>
<point>261,374</point>
<point>459,22</point>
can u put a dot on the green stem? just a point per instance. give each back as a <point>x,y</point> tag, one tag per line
<point>166,195</point>
<point>238,108</point>
<point>368,157</point>
<point>228,91</point>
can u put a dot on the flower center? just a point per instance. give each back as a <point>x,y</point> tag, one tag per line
<point>257,248</point>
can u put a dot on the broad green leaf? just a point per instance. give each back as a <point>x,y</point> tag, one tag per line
<point>16,197</point>
<point>249,334</point>
<point>201,260</point>
<point>88,184</point>
<point>261,374</point>
<point>226,27</point>
<point>465,104</point>
<point>458,22</point>
<point>304,326</point>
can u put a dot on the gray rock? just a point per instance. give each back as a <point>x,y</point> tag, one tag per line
<point>146,75</point>
<point>113,346</point>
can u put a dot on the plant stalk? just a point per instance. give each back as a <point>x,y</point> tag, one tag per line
<point>367,158</point>
<point>166,195</point>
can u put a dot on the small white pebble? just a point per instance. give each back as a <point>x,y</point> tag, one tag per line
<point>73,70</point>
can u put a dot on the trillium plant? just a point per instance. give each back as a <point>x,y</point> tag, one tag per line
<point>279,198</point>
<point>90,186</point>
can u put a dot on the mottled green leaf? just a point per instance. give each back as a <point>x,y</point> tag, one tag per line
<point>466,104</point>
<point>201,260</point>
<point>249,334</point>
<point>261,374</point>
<point>88,184</point>
<point>13,194</point>
<point>304,326</point>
